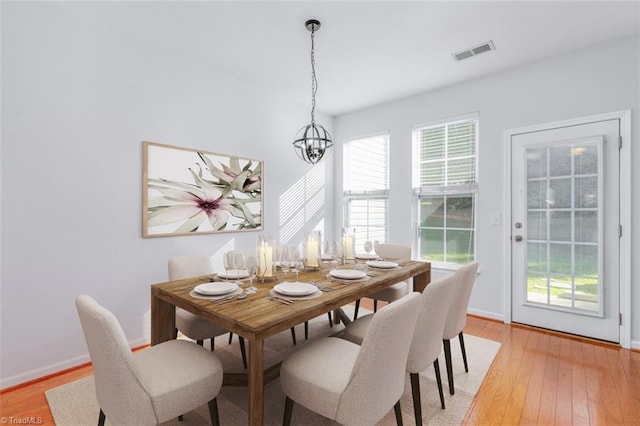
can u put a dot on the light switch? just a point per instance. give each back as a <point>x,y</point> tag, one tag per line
<point>495,218</point>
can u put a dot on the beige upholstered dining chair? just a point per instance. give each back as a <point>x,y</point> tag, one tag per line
<point>397,290</point>
<point>425,344</point>
<point>191,325</point>
<point>150,386</point>
<point>354,384</point>
<point>457,317</point>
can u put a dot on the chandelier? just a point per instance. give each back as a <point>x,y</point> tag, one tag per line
<point>313,140</point>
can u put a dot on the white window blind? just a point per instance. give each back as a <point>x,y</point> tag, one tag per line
<point>366,187</point>
<point>446,155</point>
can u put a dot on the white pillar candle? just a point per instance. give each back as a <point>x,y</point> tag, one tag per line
<point>312,249</point>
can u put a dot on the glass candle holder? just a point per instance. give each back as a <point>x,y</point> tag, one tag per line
<point>265,257</point>
<point>312,249</point>
<point>348,245</point>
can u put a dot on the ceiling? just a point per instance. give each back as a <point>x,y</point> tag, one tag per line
<point>371,52</point>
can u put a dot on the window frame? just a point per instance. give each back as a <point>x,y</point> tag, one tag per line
<point>420,193</point>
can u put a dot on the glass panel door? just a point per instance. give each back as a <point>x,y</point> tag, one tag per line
<point>564,226</point>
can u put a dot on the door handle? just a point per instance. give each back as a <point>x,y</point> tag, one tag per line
<point>518,238</point>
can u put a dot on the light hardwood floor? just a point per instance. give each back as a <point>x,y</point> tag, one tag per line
<point>537,378</point>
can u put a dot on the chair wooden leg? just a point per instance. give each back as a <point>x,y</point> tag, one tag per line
<point>355,312</point>
<point>213,412</point>
<point>375,306</point>
<point>464,352</point>
<point>306,330</point>
<point>243,351</point>
<point>398,412</point>
<point>330,322</point>
<point>417,401</point>
<point>288,411</point>
<point>200,342</point>
<point>447,358</point>
<point>436,367</point>
<point>293,335</point>
<point>101,418</point>
<point>230,337</point>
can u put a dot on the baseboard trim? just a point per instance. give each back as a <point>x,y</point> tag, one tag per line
<point>52,370</point>
<point>486,314</point>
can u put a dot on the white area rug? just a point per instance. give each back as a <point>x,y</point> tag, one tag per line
<point>74,404</point>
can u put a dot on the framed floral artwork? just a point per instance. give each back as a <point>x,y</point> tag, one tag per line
<point>188,191</point>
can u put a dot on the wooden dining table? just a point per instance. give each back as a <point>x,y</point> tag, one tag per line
<point>258,317</point>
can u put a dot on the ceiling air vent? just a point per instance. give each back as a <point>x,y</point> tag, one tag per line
<point>473,51</point>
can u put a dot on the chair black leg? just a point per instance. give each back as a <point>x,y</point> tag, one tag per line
<point>355,312</point>
<point>375,306</point>
<point>101,418</point>
<point>306,330</point>
<point>464,352</point>
<point>180,418</point>
<point>436,367</point>
<point>175,333</point>
<point>398,411</point>
<point>293,335</point>
<point>447,358</point>
<point>230,337</point>
<point>213,412</point>
<point>200,342</point>
<point>288,410</point>
<point>243,351</point>
<point>212,343</point>
<point>417,401</point>
<point>330,321</point>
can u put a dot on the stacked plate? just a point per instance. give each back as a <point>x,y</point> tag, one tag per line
<point>366,256</point>
<point>347,274</point>
<point>382,264</point>
<point>294,288</point>
<point>234,274</point>
<point>218,288</point>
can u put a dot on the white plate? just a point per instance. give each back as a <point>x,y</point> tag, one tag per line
<point>347,274</point>
<point>294,288</point>
<point>234,274</point>
<point>216,288</point>
<point>366,256</point>
<point>382,264</point>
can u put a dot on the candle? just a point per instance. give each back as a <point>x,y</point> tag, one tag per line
<point>312,249</point>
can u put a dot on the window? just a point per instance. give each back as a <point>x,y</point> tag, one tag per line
<point>366,188</point>
<point>445,185</point>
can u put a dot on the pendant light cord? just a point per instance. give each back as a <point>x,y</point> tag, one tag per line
<point>314,80</point>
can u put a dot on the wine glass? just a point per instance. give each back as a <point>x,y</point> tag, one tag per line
<point>326,250</point>
<point>251,265</point>
<point>375,249</point>
<point>368,246</point>
<point>239,262</point>
<point>228,261</point>
<point>296,261</point>
<point>336,252</point>
<point>285,259</point>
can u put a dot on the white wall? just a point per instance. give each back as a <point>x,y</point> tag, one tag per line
<point>78,99</point>
<point>597,80</point>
